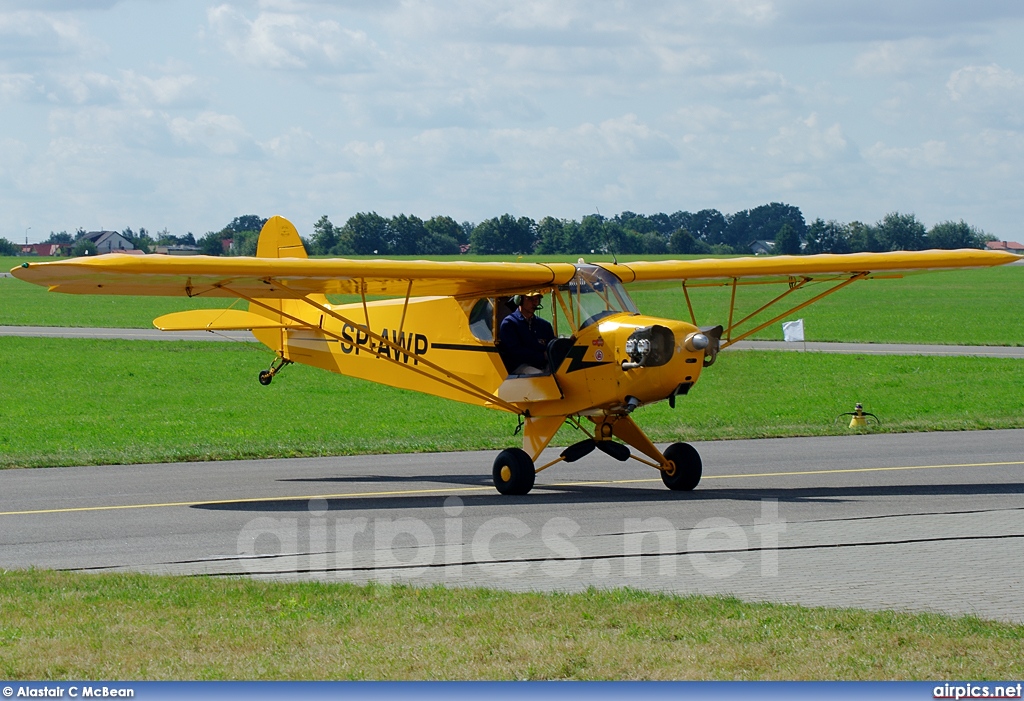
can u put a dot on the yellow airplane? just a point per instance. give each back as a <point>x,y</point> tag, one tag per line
<point>439,328</point>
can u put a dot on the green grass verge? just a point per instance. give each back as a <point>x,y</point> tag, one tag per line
<point>970,307</point>
<point>72,402</point>
<point>127,626</point>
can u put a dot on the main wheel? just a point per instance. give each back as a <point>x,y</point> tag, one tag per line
<point>687,464</point>
<point>266,377</point>
<point>513,472</point>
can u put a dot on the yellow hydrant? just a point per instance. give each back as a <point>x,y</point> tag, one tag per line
<point>859,417</point>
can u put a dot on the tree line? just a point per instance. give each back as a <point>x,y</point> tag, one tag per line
<point>80,246</point>
<point>707,231</point>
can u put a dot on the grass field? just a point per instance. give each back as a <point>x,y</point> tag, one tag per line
<point>125,627</point>
<point>69,402</point>
<point>968,307</point>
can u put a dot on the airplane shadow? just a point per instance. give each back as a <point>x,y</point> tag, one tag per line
<point>470,480</point>
<point>545,496</point>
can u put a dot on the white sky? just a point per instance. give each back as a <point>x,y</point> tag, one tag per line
<point>184,114</point>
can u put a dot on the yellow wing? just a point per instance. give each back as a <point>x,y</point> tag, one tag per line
<point>283,278</point>
<point>287,277</point>
<point>817,267</point>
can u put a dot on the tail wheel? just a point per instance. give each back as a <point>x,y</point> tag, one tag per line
<point>267,376</point>
<point>513,472</point>
<point>686,460</point>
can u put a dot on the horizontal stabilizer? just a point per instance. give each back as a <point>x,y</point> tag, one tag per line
<point>215,320</point>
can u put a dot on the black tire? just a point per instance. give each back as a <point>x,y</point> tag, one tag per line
<point>688,467</point>
<point>266,377</point>
<point>513,472</point>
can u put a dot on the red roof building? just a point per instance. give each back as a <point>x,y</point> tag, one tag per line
<point>1009,246</point>
<point>45,249</point>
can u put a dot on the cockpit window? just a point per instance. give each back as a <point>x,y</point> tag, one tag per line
<point>481,320</point>
<point>595,293</point>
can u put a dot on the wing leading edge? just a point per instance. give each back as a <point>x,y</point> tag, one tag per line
<point>290,277</point>
<point>816,267</point>
<point>272,278</point>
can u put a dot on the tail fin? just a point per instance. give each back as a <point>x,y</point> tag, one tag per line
<point>280,239</point>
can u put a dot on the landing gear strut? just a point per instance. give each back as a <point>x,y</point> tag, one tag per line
<point>514,471</point>
<point>267,376</point>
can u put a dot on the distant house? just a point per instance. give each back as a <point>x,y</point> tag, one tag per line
<point>45,249</point>
<point>1009,246</point>
<point>109,241</point>
<point>762,248</point>
<point>179,250</point>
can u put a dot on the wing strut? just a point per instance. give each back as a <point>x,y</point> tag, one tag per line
<point>732,308</point>
<point>465,386</point>
<point>366,310</point>
<point>689,305</point>
<point>405,308</point>
<point>792,288</point>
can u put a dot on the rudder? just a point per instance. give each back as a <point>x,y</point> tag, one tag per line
<point>280,239</point>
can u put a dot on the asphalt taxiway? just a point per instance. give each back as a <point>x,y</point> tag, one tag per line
<point>922,522</point>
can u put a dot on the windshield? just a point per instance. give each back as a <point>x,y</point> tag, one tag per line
<point>595,293</point>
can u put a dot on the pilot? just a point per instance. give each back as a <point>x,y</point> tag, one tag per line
<point>524,338</point>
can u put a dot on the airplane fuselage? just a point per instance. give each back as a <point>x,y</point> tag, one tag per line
<point>401,343</point>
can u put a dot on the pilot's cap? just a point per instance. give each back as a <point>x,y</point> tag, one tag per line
<point>518,299</point>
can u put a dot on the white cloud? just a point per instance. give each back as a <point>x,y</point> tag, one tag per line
<point>163,90</point>
<point>806,141</point>
<point>992,94</point>
<point>984,82</point>
<point>286,41</point>
<point>295,145</point>
<point>900,159</point>
<point>626,137</point>
<point>894,58</point>
<point>57,5</point>
<point>753,12</point>
<point>536,15</point>
<point>28,36</point>
<point>874,20</point>
<point>15,87</point>
<point>761,85</point>
<point>703,118</point>
<point>128,88</point>
<point>685,58</point>
<point>85,88</point>
<point>221,134</point>
<point>204,110</point>
<point>14,155</point>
